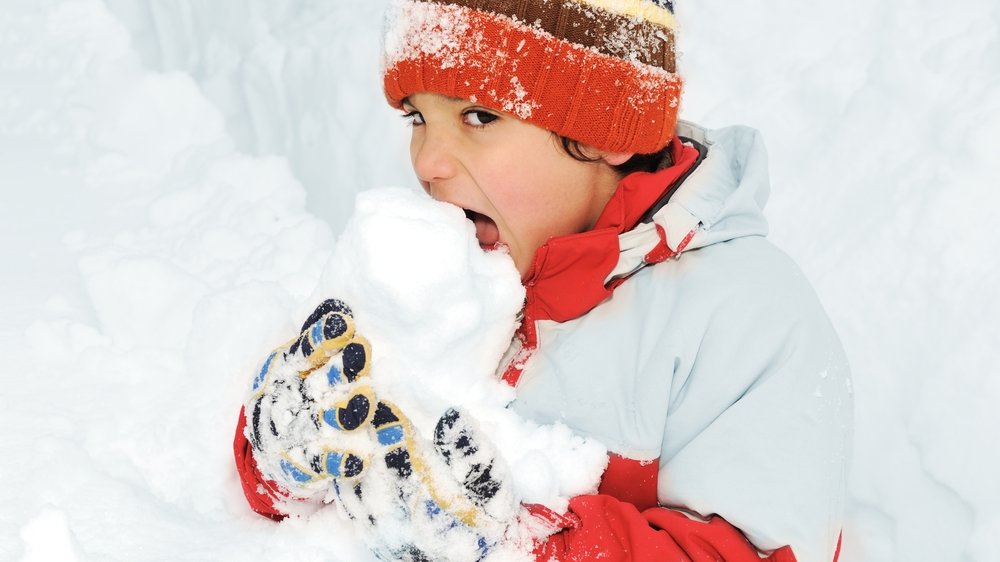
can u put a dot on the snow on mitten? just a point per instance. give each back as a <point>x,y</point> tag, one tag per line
<point>318,429</point>
<point>450,500</point>
<point>307,399</point>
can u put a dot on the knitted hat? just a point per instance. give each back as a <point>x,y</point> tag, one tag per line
<point>597,71</point>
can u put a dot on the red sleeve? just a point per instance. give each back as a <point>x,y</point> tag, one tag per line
<point>616,531</point>
<point>259,491</point>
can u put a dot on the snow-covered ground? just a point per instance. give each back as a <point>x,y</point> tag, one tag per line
<point>173,175</point>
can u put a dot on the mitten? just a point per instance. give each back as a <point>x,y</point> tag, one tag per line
<point>450,500</point>
<point>318,429</point>
<point>307,397</point>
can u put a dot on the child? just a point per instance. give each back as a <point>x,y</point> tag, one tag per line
<point>658,319</point>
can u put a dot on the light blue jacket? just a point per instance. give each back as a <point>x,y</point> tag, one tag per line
<point>721,363</point>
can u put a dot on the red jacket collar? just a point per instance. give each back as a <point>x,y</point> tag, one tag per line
<point>567,275</point>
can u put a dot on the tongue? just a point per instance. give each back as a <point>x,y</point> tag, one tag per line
<point>486,231</point>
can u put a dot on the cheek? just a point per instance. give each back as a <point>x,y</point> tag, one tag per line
<point>532,224</point>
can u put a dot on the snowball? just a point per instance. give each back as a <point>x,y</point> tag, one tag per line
<point>440,314</point>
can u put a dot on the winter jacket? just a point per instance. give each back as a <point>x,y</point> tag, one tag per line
<point>674,333</point>
<point>714,376</point>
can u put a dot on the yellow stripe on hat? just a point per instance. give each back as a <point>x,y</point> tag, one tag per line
<point>642,9</point>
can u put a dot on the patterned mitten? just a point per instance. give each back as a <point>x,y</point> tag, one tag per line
<point>309,395</point>
<point>449,500</point>
<point>318,429</point>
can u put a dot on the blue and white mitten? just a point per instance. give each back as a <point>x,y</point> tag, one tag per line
<point>319,430</point>
<point>307,398</point>
<point>450,500</point>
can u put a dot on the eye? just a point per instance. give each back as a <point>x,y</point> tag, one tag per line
<point>414,118</point>
<point>479,118</point>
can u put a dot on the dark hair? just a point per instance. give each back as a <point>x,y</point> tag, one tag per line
<point>637,163</point>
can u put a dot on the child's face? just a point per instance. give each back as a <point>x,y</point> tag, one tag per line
<point>513,179</point>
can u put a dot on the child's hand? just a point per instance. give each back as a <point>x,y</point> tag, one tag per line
<point>449,501</point>
<point>318,429</point>
<point>309,395</point>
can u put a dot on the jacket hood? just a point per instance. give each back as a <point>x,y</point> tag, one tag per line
<point>727,192</point>
<point>720,198</point>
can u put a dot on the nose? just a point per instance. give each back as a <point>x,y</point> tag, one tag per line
<point>433,157</point>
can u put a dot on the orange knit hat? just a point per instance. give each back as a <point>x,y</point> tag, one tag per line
<point>597,71</point>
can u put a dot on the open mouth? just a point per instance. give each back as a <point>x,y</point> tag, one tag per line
<point>487,231</point>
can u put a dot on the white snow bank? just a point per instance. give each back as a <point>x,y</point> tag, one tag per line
<point>293,78</point>
<point>121,397</point>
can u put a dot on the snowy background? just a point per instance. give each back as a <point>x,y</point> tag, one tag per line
<point>173,174</point>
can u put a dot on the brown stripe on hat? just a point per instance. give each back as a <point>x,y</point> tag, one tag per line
<point>589,26</point>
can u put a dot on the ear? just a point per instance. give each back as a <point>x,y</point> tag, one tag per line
<point>616,158</point>
<point>610,158</point>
